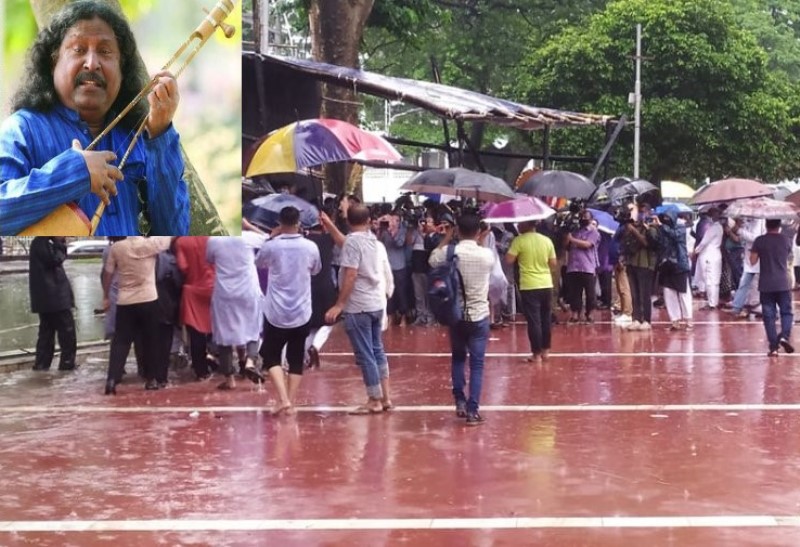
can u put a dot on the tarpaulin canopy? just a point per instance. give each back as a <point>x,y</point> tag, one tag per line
<point>442,100</point>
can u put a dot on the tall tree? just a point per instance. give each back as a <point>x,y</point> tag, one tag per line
<point>711,106</point>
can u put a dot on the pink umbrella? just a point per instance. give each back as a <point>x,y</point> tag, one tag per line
<point>729,190</point>
<point>521,209</point>
<point>763,208</point>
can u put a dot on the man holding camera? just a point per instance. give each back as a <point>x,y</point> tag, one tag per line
<point>582,266</point>
<point>638,246</point>
<point>393,232</point>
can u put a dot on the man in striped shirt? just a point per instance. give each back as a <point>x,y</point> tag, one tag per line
<point>472,334</point>
<point>81,72</point>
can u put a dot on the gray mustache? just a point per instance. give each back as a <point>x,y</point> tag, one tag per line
<point>95,77</point>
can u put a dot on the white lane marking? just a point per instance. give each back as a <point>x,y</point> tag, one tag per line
<point>587,355</point>
<point>699,407</point>
<point>715,521</point>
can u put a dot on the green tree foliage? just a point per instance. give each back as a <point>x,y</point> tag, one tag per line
<point>711,106</point>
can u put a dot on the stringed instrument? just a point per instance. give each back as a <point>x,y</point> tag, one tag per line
<point>68,219</point>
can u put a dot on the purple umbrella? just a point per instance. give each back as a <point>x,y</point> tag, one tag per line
<point>521,209</point>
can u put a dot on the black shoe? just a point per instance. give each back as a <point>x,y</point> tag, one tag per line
<point>67,367</point>
<point>473,418</point>
<point>111,387</point>
<point>40,368</point>
<point>786,345</point>
<point>461,409</point>
<point>151,385</point>
<point>162,385</point>
<point>252,373</point>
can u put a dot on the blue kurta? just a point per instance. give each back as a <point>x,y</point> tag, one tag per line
<point>39,171</point>
<point>235,309</point>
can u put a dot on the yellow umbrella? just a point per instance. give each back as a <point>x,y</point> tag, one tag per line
<point>676,190</point>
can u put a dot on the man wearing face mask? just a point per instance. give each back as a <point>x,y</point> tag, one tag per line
<point>81,72</point>
<point>638,245</point>
<point>582,269</point>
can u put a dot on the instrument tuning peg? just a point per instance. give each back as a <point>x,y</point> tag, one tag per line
<point>227,30</point>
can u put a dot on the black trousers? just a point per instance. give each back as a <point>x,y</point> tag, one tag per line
<point>294,340</point>
<point>140,322</point>
<point>198,348</point>
<point>641,282</point>
<point>537,308</point>
<point>605,279</point>
<point>578,284</point>
<point>59,323</point>
<point>164,335</point>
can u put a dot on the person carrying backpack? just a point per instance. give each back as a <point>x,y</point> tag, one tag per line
<point>470,332</point>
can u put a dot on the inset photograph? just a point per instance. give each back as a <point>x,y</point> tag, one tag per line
<point>120,118</point>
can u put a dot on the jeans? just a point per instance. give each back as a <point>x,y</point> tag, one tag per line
<point>740,298</point>
<point>364,331</point>
<point>472,336</point>
<point>537,310</point>
<point>769,302</point>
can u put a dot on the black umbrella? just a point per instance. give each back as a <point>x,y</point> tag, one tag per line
<point>619,189</point>
<point>459,182</point>
<point>562,184</point>
<point>264,211</point>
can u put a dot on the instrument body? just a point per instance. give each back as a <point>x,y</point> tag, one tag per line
<point>68,219</point>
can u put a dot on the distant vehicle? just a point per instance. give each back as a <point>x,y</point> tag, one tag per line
<point>93,246</point>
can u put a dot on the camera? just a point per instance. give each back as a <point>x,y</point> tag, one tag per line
<point>570,220</point>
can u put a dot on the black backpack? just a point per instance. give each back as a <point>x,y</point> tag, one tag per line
<point>446,297</point>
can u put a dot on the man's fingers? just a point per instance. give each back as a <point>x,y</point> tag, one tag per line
<point>114,173</point>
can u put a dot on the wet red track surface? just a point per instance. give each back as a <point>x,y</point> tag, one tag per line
<point>653,432</point>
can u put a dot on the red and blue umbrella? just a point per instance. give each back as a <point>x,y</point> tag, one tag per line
<point>311,143</point>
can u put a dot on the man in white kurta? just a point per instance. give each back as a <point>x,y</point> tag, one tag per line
<point>709,254</point>
<point>235,316</point>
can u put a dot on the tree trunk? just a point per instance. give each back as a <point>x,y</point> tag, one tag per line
<point>204,217</point>
<point>336,30</point>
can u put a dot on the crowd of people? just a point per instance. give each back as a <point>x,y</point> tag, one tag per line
<point>272,299</point>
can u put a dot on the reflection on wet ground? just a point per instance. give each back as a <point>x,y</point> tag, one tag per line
<point>620,439</point>
<point>18,326</point>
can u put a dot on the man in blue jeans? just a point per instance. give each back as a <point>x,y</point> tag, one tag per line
<point>365,279</point>
<point>772,250</point>
<point>472,334</point>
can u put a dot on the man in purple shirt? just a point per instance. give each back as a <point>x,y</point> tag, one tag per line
<point>582,268</point>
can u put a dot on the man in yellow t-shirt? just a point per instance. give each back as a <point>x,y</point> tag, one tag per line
<point>535,255</point>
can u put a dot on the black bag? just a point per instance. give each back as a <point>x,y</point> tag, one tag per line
<point>446,295</point>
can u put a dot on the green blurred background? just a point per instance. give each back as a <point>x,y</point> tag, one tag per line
<point>209,116</point>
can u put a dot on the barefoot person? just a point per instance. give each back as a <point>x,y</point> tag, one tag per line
<point>364,280</point>
<point>290,260</point>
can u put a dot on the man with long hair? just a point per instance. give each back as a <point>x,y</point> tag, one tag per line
<point>82,71</point>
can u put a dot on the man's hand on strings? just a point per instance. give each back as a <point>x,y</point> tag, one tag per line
<point>163,100</point>
<point>102,173</point>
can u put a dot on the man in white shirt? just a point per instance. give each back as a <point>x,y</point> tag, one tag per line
<point>472,334</point>
<point>291,260</point>
<point>709,255</point>
<point>747,293</point>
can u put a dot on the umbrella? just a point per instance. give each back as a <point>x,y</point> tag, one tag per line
<point>460,182</point>
<point>563,184</point>
<point>605,222</point>
<point>264,211</point>
<point>730,190</point>
<point>309,143</point>
<point>678,208</point>
<point>676,190</point>
<point>522,209</point>
<point>762,207</point>
<point>618,189</point>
